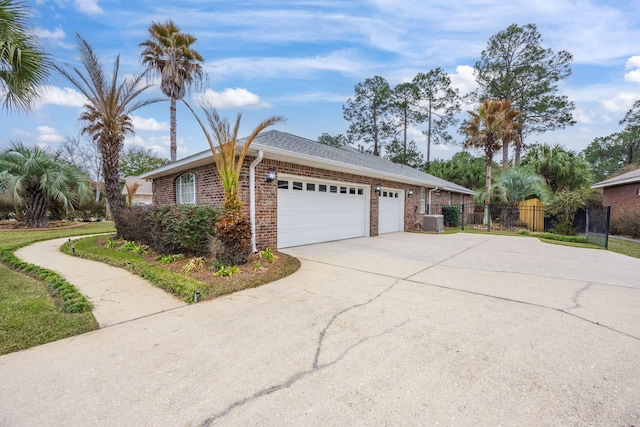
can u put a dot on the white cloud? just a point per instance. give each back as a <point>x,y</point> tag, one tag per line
<point>150,124</point>
<point>344,62</point>
<point>65,97</point>
<point>634,64</point>
<point>90,7</point>
<point>582,116</point>
<point>229,98</point>
<point>621,102</point>
<point>43,33</point>
<point>463,79</point>
<point>48,135</point>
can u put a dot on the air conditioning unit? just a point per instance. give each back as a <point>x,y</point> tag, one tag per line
<point>433,223</point>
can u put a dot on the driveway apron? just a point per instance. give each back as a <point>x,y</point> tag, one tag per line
<point>401,329</point>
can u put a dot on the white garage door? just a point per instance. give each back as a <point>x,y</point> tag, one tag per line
<point>313,211</point>
<point>391,211</point>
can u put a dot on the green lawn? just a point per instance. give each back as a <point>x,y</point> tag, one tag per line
<point>624,247</point>
<point>29,314</point>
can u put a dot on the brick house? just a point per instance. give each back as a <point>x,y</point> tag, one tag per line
<point>621,192</point>
<point>143,194</point>
<point>299,191</point>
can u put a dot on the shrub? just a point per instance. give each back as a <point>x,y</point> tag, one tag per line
<point>626,222</point>
<point>135,225</point>
<point>451,216</point>
<point>7,209</point>
<point>183,228</point>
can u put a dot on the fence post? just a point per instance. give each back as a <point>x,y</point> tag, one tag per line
<point>606,232</point>
<point>587,221</point>
<point>462,219</point>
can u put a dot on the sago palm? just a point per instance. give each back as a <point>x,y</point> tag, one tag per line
<point>107,115</point>
<point>232,229</point>
<point>34,178</point>
<point>169,54</point>
<point>24,66</point>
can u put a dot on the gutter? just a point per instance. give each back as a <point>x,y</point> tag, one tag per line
<point>252,198</point>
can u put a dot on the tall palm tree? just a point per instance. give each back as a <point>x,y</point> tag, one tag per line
<point>169,54</point>
<point>24,66</point>
<point>233,229</point>
<point>494,124</point>
<point>107,115</point>
<point>34,178</point>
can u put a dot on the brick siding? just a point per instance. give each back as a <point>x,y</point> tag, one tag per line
<point>621,197</point>
<point>209,192</point>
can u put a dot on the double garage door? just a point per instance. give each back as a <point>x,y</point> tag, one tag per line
<point>314,211</point>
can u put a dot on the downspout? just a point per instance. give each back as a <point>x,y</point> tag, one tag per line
<point>252,199</point>
<point>429,208</point>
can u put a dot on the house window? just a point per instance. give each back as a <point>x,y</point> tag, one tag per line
<point>322,188</point>
<point>311,187</point>
<point>283,185</point>
<point>297,185</point>
<point>186,189</point>
<point>423,198</point>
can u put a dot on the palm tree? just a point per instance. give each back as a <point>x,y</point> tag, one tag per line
<point>107,115</point>
<point>516,185</point>
<point>233,229</point>
<point>33,177</point>
<point>559,167</point>
<point>494,124</point>
<point>24,66</point>
<point>169,54</point>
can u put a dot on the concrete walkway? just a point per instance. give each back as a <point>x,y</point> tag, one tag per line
<point>117,295</point>
<point>401,329</point>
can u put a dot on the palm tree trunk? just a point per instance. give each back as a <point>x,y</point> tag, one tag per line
<point>174,143</point>
<point>487,185</point>
<point>111,173</point>
<point>505,154</point>
<point>36,206</point>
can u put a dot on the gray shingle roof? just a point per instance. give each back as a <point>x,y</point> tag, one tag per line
<point>625,178</point>
<point>295,149</point>
<point>349,156</point>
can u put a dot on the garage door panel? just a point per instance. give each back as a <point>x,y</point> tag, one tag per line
<point>390,211</point>
<point>312,216</point>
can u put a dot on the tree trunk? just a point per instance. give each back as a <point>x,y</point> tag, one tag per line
<point>404,152</point>
<point>36,206</point>
<point>174,143</point>
<point>505,154</point>
<point>110,151</point>
<point>429,138</point>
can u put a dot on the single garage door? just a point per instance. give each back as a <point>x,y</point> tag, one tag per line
<point>391,211</point>
<point>313,211</point>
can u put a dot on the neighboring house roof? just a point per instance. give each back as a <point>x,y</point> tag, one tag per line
<point>625,178</point>
<point>144,186</point>
<point>290,148</point>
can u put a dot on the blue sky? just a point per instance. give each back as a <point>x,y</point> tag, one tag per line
<point>301,59</point>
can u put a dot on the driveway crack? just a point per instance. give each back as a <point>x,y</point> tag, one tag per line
<point>576,297</point>
<point>316,366</point>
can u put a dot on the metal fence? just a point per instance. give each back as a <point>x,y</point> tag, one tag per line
<point>592,222</point>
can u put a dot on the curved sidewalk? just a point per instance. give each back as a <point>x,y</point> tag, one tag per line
<point>116,294</point>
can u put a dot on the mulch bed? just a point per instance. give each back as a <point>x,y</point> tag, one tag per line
<point>9,225</point>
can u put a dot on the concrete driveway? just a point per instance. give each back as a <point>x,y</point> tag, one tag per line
<point>401,329</point>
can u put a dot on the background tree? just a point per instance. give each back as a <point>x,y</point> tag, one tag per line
<point>169,54</point>
<point>611,153</point>
<point>35,178</point>
<point>232,229</point>
<point>405,155</point>
<point>463,169</point>
<point>404,103</point>
<point>335,141</point>
<point>516,66</point>
<point>369,113</point>
<point>107,115</point>
<point>136,160</point>
<point>495,124</point>
<point>559,167</point>
<point>85,156</point>
<point>439,105</point>
<point>24,66</point>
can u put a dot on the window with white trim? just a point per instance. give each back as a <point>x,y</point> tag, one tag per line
<point>186,189</point>
<point>423,198</point>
